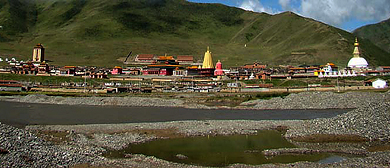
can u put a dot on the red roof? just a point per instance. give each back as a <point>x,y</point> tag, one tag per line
<point>185,58</point>
<point>251,66</point>
<point>10,85</point>
<point>297,68</point>
<point>373,71</point>
<point>9,81</point>
<point>145,56</point>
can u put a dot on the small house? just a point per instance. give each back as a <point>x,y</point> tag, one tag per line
<point>379,84</point>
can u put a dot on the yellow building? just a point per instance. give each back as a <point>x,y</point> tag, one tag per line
<point>39,53</point>
<point>208,60</point>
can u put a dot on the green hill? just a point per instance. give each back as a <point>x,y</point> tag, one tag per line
<point>378,34</point>
<point>102,32</point>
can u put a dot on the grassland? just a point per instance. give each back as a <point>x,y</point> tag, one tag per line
<point>102,32</point>
<point>379,34</point>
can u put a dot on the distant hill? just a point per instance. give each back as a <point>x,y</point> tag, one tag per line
<point>102,32</point>
<point>378,34</point>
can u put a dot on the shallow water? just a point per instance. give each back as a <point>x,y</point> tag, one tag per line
<point>220,150</point>
<point>15,113</point>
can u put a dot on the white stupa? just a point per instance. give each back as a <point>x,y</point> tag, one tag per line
<point>357,61</point>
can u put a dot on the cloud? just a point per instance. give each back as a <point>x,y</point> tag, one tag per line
<point>285,4</point>
<point>256,6</point>
<point>337,12</point>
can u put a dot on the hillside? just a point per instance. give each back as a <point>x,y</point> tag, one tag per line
<point>101,32</point>
<point>378,34</point>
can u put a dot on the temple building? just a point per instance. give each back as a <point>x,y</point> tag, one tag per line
<point>43,68</point>
<point>208,65</point>
<point>116,70</point>
<point>218,70</point>
<point>185,59</point>
<point>357,62</point>
<point>208,60</point>
<point>39,53</point>
<point>164,66</point>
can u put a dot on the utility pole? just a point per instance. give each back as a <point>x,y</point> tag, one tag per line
<point>338,87</point>
<point>85,80</point>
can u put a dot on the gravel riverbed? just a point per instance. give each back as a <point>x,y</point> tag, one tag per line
<point>86,143</point>
<point>303,100</point>
<point>27,150</point>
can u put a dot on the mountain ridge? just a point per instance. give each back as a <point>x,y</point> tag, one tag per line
<point>378,34</point>
<point>92,32</point>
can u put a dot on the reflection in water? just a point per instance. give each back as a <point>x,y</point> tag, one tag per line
<point>332,159</point>
<point>219,150</point>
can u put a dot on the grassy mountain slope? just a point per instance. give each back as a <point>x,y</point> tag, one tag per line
<point>101,32</point>
<point>378,34</point>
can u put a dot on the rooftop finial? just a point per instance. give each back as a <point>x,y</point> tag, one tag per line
<point>356,42</point>
<point>208,48</point>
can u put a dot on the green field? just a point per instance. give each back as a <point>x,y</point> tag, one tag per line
<point>378,34</point>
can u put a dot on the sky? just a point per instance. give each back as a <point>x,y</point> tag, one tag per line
<point>345,14</point>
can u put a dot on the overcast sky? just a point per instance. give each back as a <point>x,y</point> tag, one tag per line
<point>345,14</point>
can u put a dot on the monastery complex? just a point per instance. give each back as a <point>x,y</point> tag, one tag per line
<point>184,68</point>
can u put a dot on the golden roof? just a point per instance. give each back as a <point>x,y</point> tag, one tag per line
<point>208,59</point>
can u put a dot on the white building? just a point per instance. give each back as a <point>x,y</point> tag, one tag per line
<point>379,84</point>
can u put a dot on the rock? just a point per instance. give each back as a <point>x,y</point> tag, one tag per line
<point>3,151</point>
<point>24,149</point>
<point>181,156</point>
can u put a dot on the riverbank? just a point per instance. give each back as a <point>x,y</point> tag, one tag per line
<point>115,136</point>
<point>369,121</point>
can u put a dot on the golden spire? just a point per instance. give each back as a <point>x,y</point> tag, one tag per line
<point>356,51</point>
<point>356,42</point>
<point>208,59</point>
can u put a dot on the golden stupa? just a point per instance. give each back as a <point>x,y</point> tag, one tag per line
<point>208,60</point>
<point>356,51</point>
<point>356,61</point>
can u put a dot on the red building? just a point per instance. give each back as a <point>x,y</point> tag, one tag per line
<point>254,66</point>
<point>117,70</point>
<point>144,58</point>
<point>164,66</point>
<point>218,69</point>
<point>43,68</point>
<point>185,59</point>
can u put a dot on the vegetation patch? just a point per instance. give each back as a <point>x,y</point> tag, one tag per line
<point>7,93</point>
<point>268,96</point>
<point>163,133</point>
<point>88,165</point>
<point>281,128</point>
<point>325,138</point>
<point>379,147</point>
<point>57,137</point>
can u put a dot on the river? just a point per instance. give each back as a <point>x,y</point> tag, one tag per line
<point>21,114</point>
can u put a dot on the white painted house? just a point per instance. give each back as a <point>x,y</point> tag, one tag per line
<point>379,84</point>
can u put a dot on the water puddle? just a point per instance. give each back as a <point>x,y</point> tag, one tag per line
<point>222,150</point>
